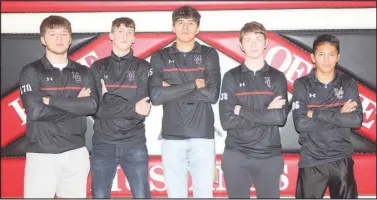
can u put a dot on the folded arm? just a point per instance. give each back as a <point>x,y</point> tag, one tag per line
<point>302,122</point>
<point>79,105</point>
<point>160,94</point>
<point>227,103</point>
<point>31,97</point>
<point>210,93</point>
<point>270,117</point>
<point>114,106</point>
<point>344,120</point>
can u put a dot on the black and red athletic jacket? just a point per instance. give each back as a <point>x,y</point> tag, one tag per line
<point>255,131</point>
<point>61,125</point>
<point>126,80</point>
<point>187,111</point>
<point>325,137</point>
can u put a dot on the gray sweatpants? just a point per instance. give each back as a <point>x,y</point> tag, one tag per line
<point>241,172</point>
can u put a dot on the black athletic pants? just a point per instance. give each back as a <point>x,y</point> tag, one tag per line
<point>240,172</point>
<point>338,176</point>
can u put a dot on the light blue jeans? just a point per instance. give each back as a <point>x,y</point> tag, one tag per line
<point>196,155</point>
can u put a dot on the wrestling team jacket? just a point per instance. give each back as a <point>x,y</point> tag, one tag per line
<point>326,136</point>
<point>61,125</point>
<point>126,79</point>
<point>187,111</point>
<point>255,131</point>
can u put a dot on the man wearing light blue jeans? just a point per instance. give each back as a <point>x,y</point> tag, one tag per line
<point>200,156</point>
<point>185,79</point>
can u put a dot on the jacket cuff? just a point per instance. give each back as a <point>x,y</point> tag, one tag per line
<point>107,96</point>
<point>315,114</point>
<point>52,101</point>
<point>242,112</point>
<point>194,83</point>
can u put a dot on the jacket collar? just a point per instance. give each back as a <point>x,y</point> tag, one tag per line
<point>314,78</point>
<point>265,68</point>
<point>47,64</point>
<point>123,58</point>
<point>196,49</point>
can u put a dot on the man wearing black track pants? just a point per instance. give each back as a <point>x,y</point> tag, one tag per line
<point>252,107</point>
<point>326,106</point>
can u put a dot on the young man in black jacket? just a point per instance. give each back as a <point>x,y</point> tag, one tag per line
<point>186,81</point>
<point>326,105</point>
<point>57,94</point>
<point>253,104</point>
<point>119,130</point>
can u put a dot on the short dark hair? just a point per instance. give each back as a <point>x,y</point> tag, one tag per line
<point>253,27</point>
<point>126,21</point>
<point>54,21</point>
<point>326,38</point>
<point>186,12</point>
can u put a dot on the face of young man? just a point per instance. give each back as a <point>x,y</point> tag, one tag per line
<point>253,45</point>
<point>325,57</point>
<point>185,30</point>
<point>123,37</point>
<point>57,40</point>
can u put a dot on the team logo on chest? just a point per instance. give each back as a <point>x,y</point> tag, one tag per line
<point>339,92</point>
<point>131,75</point>
<point>49,79</point>
<point>76,76</point>
<point>198,59</point>
<point>267,81</point>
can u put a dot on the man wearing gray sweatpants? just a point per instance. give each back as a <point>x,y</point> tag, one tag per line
<point>252,107</point>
